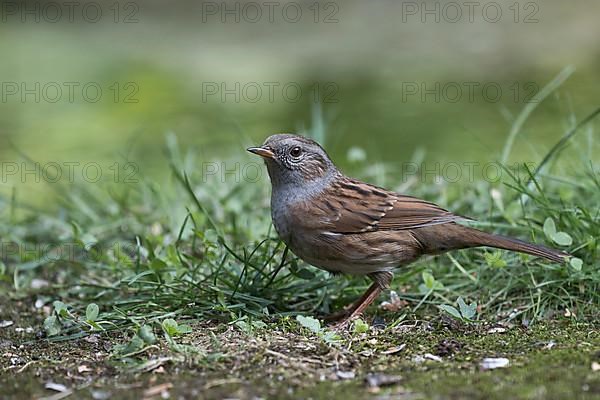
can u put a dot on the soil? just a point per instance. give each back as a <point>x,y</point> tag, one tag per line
<point>419,359</point>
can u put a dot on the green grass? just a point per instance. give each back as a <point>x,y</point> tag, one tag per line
<point>189,272</point>
<point>199,248</point>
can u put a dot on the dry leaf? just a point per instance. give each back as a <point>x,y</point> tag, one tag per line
<point>569,313</point>
<point>158,389</point>
<point>83,368</point>
<point>394,304</point>
<point>394,350</point>
<point>427,356</point>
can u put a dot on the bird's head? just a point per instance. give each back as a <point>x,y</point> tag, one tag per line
<point>294,159</point>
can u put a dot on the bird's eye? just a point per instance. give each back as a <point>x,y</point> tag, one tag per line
<point>295,152</point>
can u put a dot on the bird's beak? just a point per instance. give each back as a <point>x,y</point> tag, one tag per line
<point>261,151</point>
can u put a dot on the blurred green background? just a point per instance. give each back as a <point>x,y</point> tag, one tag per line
<point>362,56</point>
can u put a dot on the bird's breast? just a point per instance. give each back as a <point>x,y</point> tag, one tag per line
<point>294,223</point>
<point>282,222</point>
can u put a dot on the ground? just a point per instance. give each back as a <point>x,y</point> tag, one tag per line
<point>439,357</point>
<point>182,289</point>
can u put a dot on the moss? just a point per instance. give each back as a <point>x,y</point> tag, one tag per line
<point>536,371</point>
<point>549,360</point>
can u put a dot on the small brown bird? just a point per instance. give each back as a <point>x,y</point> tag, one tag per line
<point>346,226</point>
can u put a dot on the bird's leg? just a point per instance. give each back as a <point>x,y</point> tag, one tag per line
<point>349,309</point>
<point>381,281</point>
<point>370,296</point>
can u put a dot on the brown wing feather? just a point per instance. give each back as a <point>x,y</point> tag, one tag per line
<point>356,207</point>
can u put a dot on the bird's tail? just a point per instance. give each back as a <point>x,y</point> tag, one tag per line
<point>481,238</point>
<point>444,237</point>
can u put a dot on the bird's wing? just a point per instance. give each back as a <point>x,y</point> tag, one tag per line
<point>349,206</point>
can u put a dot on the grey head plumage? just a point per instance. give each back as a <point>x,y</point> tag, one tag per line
<point>296,162</point>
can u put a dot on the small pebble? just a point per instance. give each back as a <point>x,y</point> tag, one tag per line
<point>345,374</point>
<point>55,386</point>
<point>493,363</point>
<point>100,395</point>
<point>376,380</point>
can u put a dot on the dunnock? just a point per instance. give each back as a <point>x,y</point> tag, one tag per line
<point>346,226</point>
